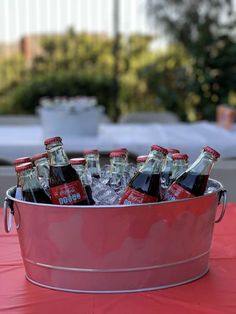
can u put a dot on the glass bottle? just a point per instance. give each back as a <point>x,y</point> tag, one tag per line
<point>22,160</point>
<point>140,161</point>
<point>194,180</point>
<point>122,150</point>
<point>144,187</point>
<point>92,162</point>
<point>64,182</point>
<point>130,168</point>
<point>19,161</point>
<point>79,164</point>
<point>167,169</point>
<point>117,180</point>
<point>32,191</point>
<point>106,169</point>
<point>42,169</point>
<point>180,164</point>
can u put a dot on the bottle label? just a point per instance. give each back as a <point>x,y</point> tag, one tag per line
<point>132,196</point>
<point>175,192</point>
<point>68,193</point>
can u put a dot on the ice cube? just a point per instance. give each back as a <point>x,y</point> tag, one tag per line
<point>103,194</point>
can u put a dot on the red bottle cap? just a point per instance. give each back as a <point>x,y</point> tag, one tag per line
<point>172,150</point>
<point>179,156</point>
<point>25,166</point>
<point>91,152</point>
<point>118,154</point>
<point>78,161</point>
<point>51,140</point>
<point>39,156</point>
<point>122,149</point>
<point>142,158</point>
<point>159,149</point>
<point>211,151</point>
<point>22,160</point>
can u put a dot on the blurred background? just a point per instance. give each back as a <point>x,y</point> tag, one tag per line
<point>135,55</point>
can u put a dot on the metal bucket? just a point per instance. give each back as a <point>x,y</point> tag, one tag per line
<point>115,248</point>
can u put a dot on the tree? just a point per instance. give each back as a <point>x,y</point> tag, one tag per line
<point>167,77</point>
<point>205,28</point>
<point>82,64</point>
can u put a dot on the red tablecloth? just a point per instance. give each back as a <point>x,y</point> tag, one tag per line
<point>214,293</point>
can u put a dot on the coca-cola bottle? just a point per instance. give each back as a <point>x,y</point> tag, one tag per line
<point>193,181</point>
<point>180,164</point>
<point>168,167</point>
<point>32,191</point>
<point>79,165</point>
<point>144,187</point>
<point>64,182</point>
<point>140,161</point>
<point>19,161</point>
<point>92,162</point>
<point>117,180</point>
<point>42,169</point>
<point>122,150</point>
<point>22,160</point>
<point>129,168</point>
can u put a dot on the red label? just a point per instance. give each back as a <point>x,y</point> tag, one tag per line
<point>175,192</point>
<point>68,193</point>
<point>132,196</point>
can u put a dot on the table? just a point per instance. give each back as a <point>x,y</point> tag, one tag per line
<point>215,293</point>
<point>20,140</point>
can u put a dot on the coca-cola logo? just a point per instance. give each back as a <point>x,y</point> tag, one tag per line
<point>175,191</point>
<point>68,190</point>
<point>68,193</point>
<point>127,202</point>
<point>133,197</point>
<point>136,199</point>
<point>70,199</point>
<point>168,196</point>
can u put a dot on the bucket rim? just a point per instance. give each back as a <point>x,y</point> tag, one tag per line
<point>213,181</point>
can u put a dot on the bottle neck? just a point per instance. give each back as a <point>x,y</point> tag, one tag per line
<point>140,165</point>
<point>118,165</point>
<point>179,166</point>
<point>57,155</point>
<point>154,163</point>
<point>168,164</point>
<point>28,180</point>
<point>203,164</point>
<point>93,165</point>
<point>81,170</point>
<point>42,168</point>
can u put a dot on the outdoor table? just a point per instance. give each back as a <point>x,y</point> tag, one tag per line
<point>214,293</point>
<point>27,140</point>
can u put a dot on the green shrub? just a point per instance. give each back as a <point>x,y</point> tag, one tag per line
<point>25,97</point>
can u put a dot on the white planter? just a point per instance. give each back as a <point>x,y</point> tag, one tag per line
<point>70,122</point>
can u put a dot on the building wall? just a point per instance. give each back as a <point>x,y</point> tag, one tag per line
<point>7,50</point>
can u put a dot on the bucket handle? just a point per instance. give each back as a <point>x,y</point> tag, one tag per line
<point>8,215</point>
<point>223,201</point>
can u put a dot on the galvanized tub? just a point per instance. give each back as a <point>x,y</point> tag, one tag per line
<point>111,249</point>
